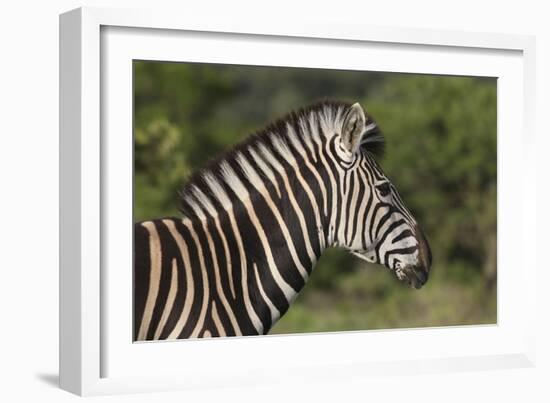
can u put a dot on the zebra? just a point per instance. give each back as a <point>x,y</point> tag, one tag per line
<point>256,220</point>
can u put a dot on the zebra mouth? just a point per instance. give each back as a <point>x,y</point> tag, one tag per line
<point>416,278</point>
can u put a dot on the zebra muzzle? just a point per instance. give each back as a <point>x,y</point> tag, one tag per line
<point>415,276</point>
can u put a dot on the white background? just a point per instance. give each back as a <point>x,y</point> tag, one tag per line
<point>29,188</point>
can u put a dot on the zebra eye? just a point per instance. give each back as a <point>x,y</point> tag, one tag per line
<point>384,189</point>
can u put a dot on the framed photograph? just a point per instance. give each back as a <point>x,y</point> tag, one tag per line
<point>244,204</point>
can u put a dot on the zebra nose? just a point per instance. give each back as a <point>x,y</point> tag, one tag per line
<point>416,276</point>
<point>424,253</point>
<point>421,275</point>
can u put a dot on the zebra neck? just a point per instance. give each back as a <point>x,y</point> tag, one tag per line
<point>279,245</point>
<point>271,202</point>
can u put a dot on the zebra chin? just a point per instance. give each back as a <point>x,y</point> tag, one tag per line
<point>415,275</point>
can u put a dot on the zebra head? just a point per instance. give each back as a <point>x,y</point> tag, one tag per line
<point>379,228</point>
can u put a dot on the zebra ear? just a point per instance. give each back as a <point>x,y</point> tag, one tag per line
<point>353,127</point>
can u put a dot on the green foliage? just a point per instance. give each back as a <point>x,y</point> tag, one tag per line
<point>371,298</point>
<point>441,155</point>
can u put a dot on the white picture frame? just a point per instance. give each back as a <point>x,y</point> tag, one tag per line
<point>97,357</point>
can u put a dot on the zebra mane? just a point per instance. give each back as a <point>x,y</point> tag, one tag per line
<point>373,140</point>
<point>209,185</point>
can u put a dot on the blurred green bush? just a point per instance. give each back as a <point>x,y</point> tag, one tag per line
<point>441,155</point>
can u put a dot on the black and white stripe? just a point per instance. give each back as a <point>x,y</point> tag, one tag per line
<point>256,221</point>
